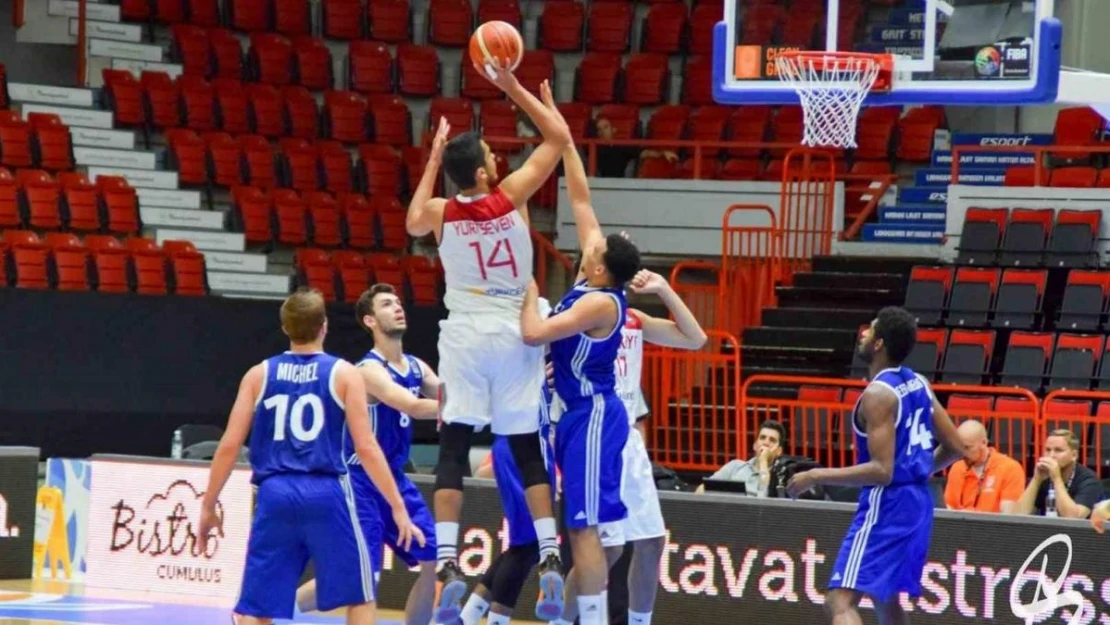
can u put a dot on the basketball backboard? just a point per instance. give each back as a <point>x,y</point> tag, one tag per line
<point>970,52</point>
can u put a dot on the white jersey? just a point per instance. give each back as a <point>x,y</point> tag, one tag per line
<point>629,367</point>
<point>486,249</point>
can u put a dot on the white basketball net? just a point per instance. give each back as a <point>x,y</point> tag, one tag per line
<point>831,89</point>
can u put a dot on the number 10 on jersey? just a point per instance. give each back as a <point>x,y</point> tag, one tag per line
<point>500,256</point>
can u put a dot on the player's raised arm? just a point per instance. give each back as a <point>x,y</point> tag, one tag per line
<point>684,332</point>
<point>525,181</point>
<point>381,386</point>
<point>878,407</point>
<point>425,212</point>
<point>429,381</point>
<point>592,312</point>
<point>351,387</point>
<point>227,452</point>
<point>578,189</point>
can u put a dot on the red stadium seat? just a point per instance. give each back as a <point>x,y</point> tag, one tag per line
<point>225,157</point>
<point>70,260</point>
<point>697,81</point>
<point>624,118</point>
<point>30,259</point>
<point>418,70</point>
<point>1078,125</point>
<point>249,15</point>
<point>232,108</point>
<point>423,277</point>
<point>358,221</point>
<point>708,123</point>
<point>664,28</point>
<point>323,214</point>
<point>346,117</point>
<point>198,101</point>
<point>415,158</point>
<point>1073,177</point>
<point>646,78</point>
<point>258,158</point>
<point>124,97</point>
<point>475,87</point>
<point>204,12</point>
<point>875,132</point>
<point>609,27</point>
<point>380,170</point>
<point>597,77</point>
<point>162,98</point>
<point>270,59</point>
<point>342,19</point>
<point>500,10</point>
<point>170,11</point>
<point>121,203</point>
<point>579,116</point>
<point>111,261</point>
<point>741,169</point>
<point>254,210</point>
<point>391,216</point>
<point>227,52</point>
<point>748,124</point>
<point>703,19</point>
<point>370,67</point>
<point>335,162</point>
<point>188,155</point>
<point>459,113</point>
<point>299,165</point>
<point>312,66</point>
<point>309,256</point>
<point>51,145</point>
<point>354,274</point>
<point>561,26</point>
<point>135,10</point>
<point>321,277</point>
<point>189,46</point>
<point>190,276</point>
<point>708,168</point>
<point>301,112</point>
<point>450,22</point>
<point>267,110</point>
<point>392,121</point>
<point>498,119</point>
<point>535,67</point>
<point>387,268</point>
<point>292,217</point>
<point>9,202</point>
<point>150,266</point>
<point>655,167</point>
<point>390,20</point>
<point>80,203</point>
<point>787,126</point>
<point>668,122</point>
<point>292,17</point>
<point>42,197</point>
<point>1023,177</point>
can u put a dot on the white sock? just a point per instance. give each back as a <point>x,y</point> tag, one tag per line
<point>639,618</point>
<point>447,541</point>
<point>498,619</point>
<point>545,533</point>
<point>474,610</point>
<point>590,610</point>
<point>560,621</point>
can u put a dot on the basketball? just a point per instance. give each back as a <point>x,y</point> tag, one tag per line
<point>496,40</point>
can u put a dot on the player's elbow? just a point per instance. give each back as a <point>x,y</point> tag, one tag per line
<point>697,341</point>
<point>884,474</point>
<point>532,337</point>
<point>559,135</point>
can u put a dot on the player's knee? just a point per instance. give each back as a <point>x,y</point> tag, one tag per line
<point>454,456</point>
<point>838,601</point>
<point>650,549</point>
<point>528,456</point>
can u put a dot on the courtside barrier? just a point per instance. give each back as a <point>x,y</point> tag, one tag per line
<point>1087,413</point>
<point>817,415</point>
<point>19,474</point>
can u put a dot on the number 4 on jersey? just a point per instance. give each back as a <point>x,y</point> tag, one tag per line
<point>501,256</point>
<point>920,435</point>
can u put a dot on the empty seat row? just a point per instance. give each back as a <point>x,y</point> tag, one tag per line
<point>42,141</point>
<point>32,198</point>
<point>1025,237</point>
<point>1081,177</point>
<point>343,275</point>
<point>975,297</point>
<point>103,263</point>
<point>348,220</point>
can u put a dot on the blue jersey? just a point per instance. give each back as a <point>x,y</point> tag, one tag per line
<point>299,421</point>
<point>392,428</point>
<point>584,366</point>
<point>913,443</point>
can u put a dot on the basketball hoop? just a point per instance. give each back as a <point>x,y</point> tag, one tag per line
<point>832,87</point>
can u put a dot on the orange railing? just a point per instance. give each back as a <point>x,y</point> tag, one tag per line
<point>868,189</point>
<point>806,209</point>
<point>819,419</point>
<point>697,282</point>
<point>1039,152</point>
<point>548,256</point>
<point>751,258</point>
<point>693,400</point>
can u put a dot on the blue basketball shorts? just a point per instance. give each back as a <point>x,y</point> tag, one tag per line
<point>510,485</point>
<point>887,544</point>
<point>367,497</point>
<point>298,517</point>
<point>589,444</point>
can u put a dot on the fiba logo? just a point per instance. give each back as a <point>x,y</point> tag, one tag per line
<point>988,61</point>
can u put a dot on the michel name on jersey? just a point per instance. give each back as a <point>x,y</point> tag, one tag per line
<point>297,374</point>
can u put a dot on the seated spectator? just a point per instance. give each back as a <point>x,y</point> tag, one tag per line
<point>613,160</point>
<point>756,472</point>
<point>987,480</point>
<point>1076,487</point>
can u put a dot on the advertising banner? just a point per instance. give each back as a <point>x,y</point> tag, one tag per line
<point>735,560</point>
<point>19,476</point>
<point>143,514</point>
<point>72,477</point>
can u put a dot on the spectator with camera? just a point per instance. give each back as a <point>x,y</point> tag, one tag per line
<point>1060,485</point>
<point>768,471</point>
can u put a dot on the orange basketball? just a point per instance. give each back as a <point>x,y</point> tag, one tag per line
<point>496,40</point>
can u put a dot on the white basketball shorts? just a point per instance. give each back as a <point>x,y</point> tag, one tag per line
<point>492,377</point>
<point>638,492</point>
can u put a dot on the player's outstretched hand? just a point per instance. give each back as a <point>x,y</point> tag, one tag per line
<point>210,522</point>
<point>497,74</point>
<point>800,483</point>
<point>648,282</point>
<point>439,142</point>
<point>1099,516</point>
<point>406,531</point>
